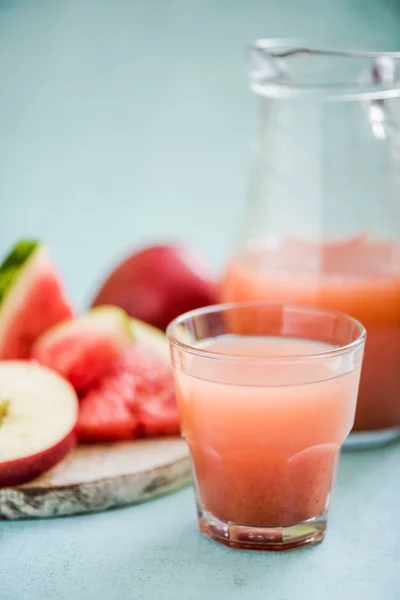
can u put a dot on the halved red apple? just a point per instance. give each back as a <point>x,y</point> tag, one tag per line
<point>38,416</point>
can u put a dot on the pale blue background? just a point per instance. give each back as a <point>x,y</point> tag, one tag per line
<point>123,121</point>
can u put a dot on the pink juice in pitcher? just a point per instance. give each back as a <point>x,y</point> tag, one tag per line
<point>359,278</point>
<point>321,222</point>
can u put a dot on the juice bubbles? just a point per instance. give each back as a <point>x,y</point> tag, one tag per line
<point>360,278</point>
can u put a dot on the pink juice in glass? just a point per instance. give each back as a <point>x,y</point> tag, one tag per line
<point>264,439</point>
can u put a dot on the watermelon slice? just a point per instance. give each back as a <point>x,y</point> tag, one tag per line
<point>104,415</point>
<point>158,414</point>
<point>83,349</point>
<point>135,399</point>
<point>154,400</point>
<point>31,298</point>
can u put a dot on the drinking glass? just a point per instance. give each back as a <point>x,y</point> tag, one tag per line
<point>266,396</point>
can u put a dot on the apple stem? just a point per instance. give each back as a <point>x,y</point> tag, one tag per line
<point>4,406</point>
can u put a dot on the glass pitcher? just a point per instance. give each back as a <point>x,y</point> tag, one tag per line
<point>322,220</point>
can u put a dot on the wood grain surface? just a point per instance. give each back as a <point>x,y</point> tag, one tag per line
<point>99,477</point>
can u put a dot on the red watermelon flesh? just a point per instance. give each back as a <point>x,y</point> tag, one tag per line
<point>154,400</point>
<point>151,373</point>
<point>140,385</point>
<point>84,349</point>
<point>31,299</point>
<point>104,415</point>
<point>158,414</point>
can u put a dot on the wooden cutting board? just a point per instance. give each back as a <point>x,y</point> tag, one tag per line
<point>98,477</point>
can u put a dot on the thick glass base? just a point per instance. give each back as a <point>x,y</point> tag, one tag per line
<point>362,440</point>
<point>263,538</point>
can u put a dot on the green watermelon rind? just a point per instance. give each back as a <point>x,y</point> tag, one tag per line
<point>12,265</point>
<point>24,268</point>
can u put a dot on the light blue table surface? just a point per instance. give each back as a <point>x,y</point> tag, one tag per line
<point>123,121</point>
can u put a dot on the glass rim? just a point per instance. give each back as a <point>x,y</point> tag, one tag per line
<point>344,91</point>
<point>218,308</point>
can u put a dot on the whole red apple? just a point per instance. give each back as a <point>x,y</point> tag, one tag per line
<point>158,283</point>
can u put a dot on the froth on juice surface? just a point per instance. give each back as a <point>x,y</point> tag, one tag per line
<point>358,277</point>
<point>265,438</point>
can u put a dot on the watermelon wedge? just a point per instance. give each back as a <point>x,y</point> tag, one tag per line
<point>136,398</point>
<point>31,298</point>
<point>84,349</point>
<point>154,400</point>
<point>104,413</point>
